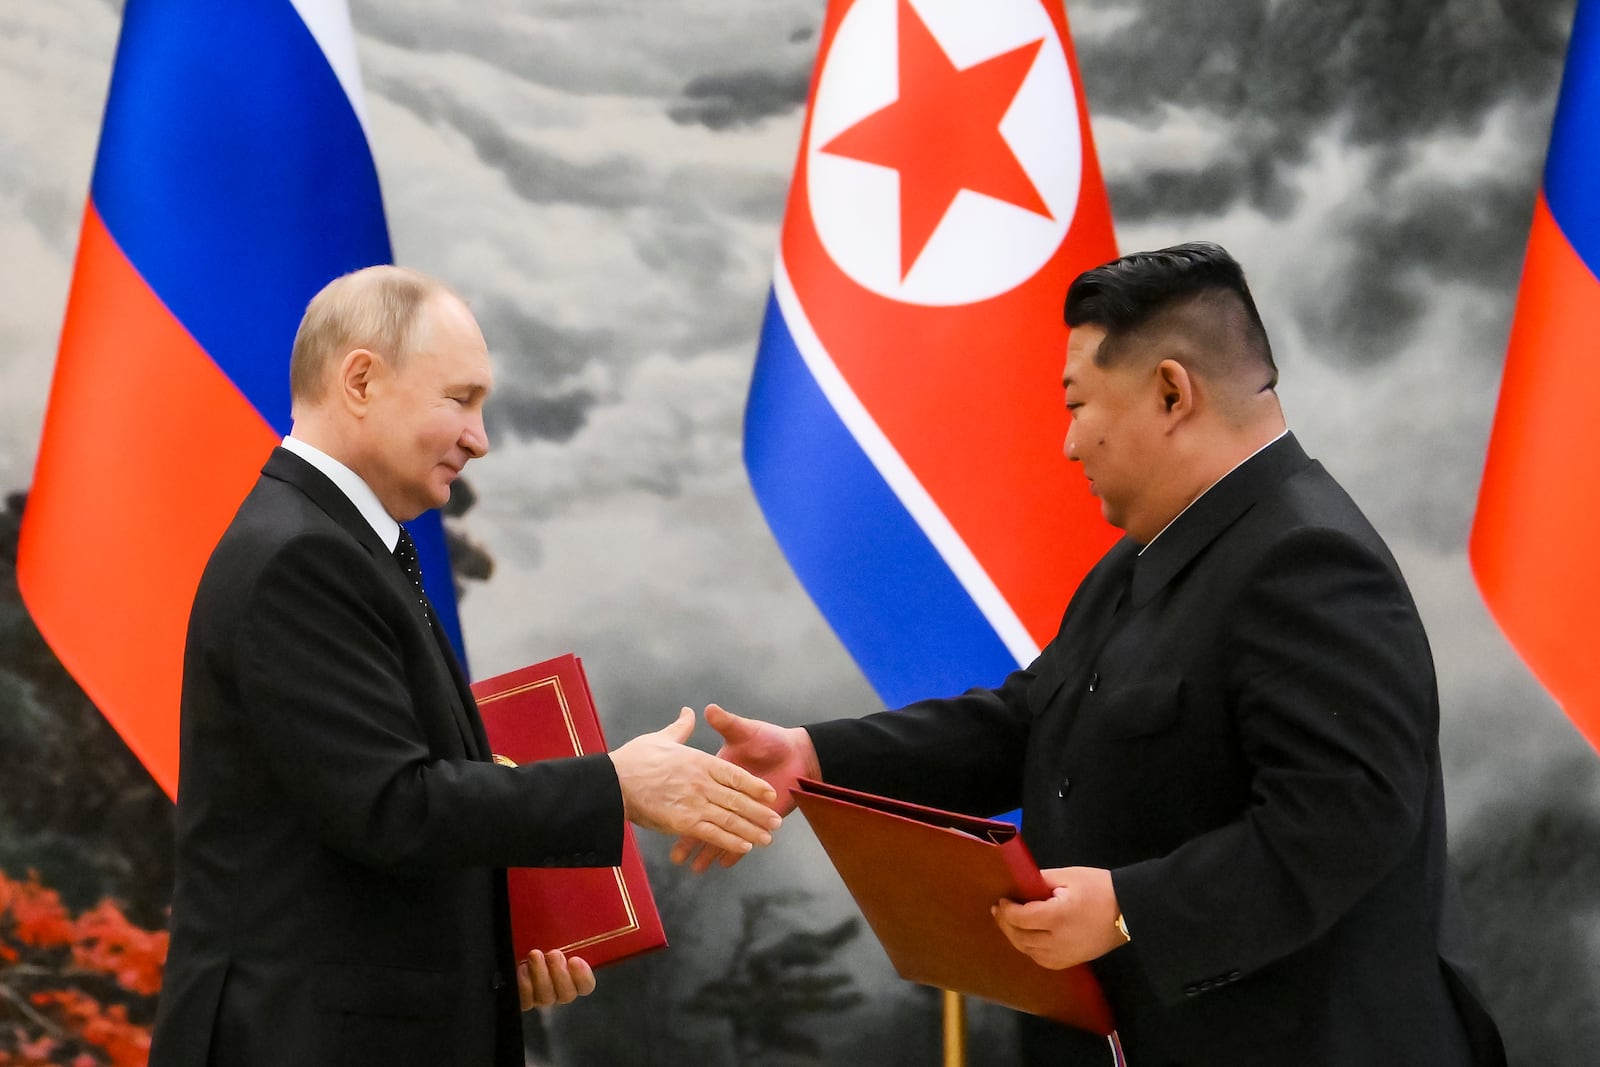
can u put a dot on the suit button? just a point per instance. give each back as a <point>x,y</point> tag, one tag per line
<point>1061,790</point>
<point>1191,991</point>
<point>1094,681</point>
<point>497,981</point>
<point>1233,976</point>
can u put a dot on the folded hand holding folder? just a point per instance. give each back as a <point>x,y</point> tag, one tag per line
<point>600,914</point>
<point>925,880</point>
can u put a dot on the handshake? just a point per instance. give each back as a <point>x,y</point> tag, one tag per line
<point>721,807</point>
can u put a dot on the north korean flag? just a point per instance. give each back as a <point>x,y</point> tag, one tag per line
<point>905,421</point>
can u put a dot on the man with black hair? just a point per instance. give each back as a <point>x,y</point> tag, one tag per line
<point>1227,759</point>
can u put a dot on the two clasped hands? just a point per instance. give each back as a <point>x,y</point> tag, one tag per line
<point>723,806</point>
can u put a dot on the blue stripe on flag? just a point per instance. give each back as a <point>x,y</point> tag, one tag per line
<point>877,579</point>
<point>235,176</point>
<point>1574,161</point>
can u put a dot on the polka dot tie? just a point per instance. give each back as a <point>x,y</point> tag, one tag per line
<point>405,553</point>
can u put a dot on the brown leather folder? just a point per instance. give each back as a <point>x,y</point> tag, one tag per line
<point>925,880</point>
<point>600,914</point>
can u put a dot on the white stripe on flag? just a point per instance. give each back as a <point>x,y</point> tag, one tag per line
<point>957,556</point>
<point>329,23</point>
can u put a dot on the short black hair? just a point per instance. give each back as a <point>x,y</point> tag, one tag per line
<point>1134,294</point>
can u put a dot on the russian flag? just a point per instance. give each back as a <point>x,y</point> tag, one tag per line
<point>905,421</point>
<point>233,181</point>
<point>1537,528</point>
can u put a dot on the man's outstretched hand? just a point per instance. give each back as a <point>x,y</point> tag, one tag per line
<point>778,755</point>
<point>670,787</point>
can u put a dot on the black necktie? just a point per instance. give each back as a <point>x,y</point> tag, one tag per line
<point>405,553</point>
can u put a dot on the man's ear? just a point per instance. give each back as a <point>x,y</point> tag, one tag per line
<point>1176,388</point>
<point>356,373</point>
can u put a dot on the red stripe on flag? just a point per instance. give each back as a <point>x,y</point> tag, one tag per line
<point>1536,534</point>
<point>146,453</point>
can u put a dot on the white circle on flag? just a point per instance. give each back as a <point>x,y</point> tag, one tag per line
<point>982,246</point>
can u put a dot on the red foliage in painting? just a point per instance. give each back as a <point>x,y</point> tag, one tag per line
<point>75,991</point>
<point>38,918</point>
<point>107,942</point>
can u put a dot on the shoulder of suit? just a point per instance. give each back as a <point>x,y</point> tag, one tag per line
<point>275,516</point>
<point>277,508</point>
<point>1313,498</point>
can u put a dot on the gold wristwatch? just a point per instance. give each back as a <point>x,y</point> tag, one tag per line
<point>1122,928</point>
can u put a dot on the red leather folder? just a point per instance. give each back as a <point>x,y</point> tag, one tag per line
<point>601,914</point>
<point>925,880</point>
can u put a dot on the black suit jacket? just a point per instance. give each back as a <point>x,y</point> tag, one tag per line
<point>340,895</point>
<point>1242,725</point>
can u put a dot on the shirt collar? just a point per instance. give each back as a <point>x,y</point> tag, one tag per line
<point>351,485</point>
<point>1213,485</point>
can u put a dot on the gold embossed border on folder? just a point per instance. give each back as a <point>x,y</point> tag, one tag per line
<point>554,682</point>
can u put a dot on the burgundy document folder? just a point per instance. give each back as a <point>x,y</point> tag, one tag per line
<point>601,914</point>
<point>925,880</point>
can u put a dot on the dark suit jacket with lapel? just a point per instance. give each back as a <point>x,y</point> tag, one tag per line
<point>340,835</point>
<point>1248,739</point>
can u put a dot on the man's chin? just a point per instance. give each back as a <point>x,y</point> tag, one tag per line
<point>415,508</point>
<point>438,495</point>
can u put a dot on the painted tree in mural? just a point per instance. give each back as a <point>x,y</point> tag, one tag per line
<point>78,990</point>
<point>774,983</point>
<point>82,827</point>
<point>77,806</point>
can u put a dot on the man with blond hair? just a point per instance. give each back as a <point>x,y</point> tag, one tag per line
<point>342,831</point>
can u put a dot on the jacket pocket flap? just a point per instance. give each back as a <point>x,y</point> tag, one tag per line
<point>1136,710</point>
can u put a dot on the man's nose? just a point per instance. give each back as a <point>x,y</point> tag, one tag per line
<point>475,439</point>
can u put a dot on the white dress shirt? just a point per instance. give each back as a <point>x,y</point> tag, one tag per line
<point>351,485</point>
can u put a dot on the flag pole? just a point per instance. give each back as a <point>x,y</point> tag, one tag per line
<point>955,1030</point>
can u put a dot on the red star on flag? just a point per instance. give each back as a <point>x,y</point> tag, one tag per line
<point>943,134</point>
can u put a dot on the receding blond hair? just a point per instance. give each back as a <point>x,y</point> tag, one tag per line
<point>374,308</point>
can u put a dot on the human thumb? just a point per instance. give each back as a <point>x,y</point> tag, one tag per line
<point>725,722</point>
<point>678,733</point>
<point>733,728</point>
